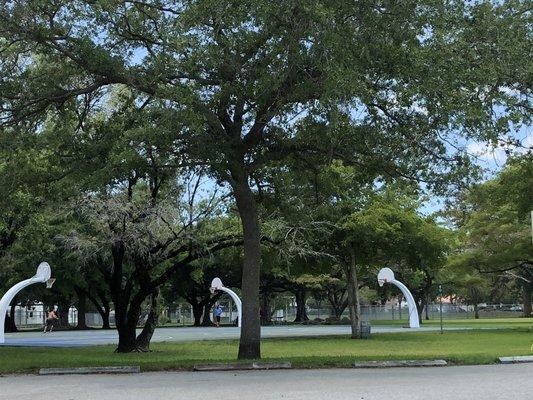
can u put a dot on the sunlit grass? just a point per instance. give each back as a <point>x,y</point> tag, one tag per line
<point>465,323</point>
<point>461,347</point>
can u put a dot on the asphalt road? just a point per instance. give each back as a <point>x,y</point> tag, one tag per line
<point>454,383</point>
<point>99,337</point>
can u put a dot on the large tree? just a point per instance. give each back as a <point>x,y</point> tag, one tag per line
<point>389,229</point>
<point>29,186</point>
<point>135,244</point>
<point>472,288</point>
<point>409,76</point>
<point>192,283</point>
<point>494,218</point>
<point>137,215</point>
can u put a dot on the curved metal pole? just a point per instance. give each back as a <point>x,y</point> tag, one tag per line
<point>6,301</point>
<point>42,275</point>
<point>413,313</point>
<point>237,302</point>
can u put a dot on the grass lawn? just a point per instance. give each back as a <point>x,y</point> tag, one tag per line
<point>467,347</point>
<point>465,323</point>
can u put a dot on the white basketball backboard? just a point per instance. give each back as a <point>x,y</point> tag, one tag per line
<point>385,275</point>
<point>216,283</point>
<point>44,272</point>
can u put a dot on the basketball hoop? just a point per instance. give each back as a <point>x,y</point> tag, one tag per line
<point>385,275</point>
<point>50,282</point>
<point>44,272</point>
<point>217,286</point>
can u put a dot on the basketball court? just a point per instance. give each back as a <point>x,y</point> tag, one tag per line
<point>183,334</point>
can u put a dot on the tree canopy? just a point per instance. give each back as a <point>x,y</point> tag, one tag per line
<point>394,89</point>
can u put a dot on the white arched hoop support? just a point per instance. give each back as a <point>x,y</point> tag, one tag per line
<point>216,284</point>
<point>42,276</point>
<point>386,275</point>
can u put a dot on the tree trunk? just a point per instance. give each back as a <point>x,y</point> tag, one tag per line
<point>265,309</point>
<point>126,325</point>
<point>121,298</point>
<point>301,312</point>
<point>9,324</point>
<point>127,328</point>
<point>103,308</point>
<point>476,311</point>
<point>250,341</point>
<point>128,305</point>
<point>338,302</point>
<point>426,308</point>
<point>197,312</point>
<point>420,304</point>
<point>206,319</point>
<point>62,313</point>
<point>126,338</point>
<point>106,310</point>
<point>127,335</point>
<point>527,293</point>
<point>353,296</point>
<point>142,342</point>
<point>105,316</point>
<point>81,307</point>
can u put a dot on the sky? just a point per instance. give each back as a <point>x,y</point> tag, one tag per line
<point>489,158</point>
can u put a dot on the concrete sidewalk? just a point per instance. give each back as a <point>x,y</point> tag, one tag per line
<point>448,383</point>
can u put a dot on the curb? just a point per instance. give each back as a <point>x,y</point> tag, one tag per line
<point>516,360</point>
<point>254,366</point>
<point>400,363</point>
<point>128,369</point>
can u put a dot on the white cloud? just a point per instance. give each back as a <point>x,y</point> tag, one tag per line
<point>528,141</point>
<point>486,152</point>
<point>495,157</point>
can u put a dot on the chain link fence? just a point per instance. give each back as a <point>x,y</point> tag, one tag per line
<point>182,315</point>
<point>395,312</point>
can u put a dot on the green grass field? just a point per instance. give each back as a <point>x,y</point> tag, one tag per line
<point>465,323</point>
<point>460,347</point>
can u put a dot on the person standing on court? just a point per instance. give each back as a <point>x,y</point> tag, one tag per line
<point>217,312</point>
<point>51,318</point>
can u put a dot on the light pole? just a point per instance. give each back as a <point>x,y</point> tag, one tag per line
<point>440,297</point>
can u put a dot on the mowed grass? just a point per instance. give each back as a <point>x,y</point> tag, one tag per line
<point>459,347</point>
<point>464,323</point>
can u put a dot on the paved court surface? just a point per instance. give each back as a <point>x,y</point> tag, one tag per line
<point>449,383</point>
<point>98,336</point>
